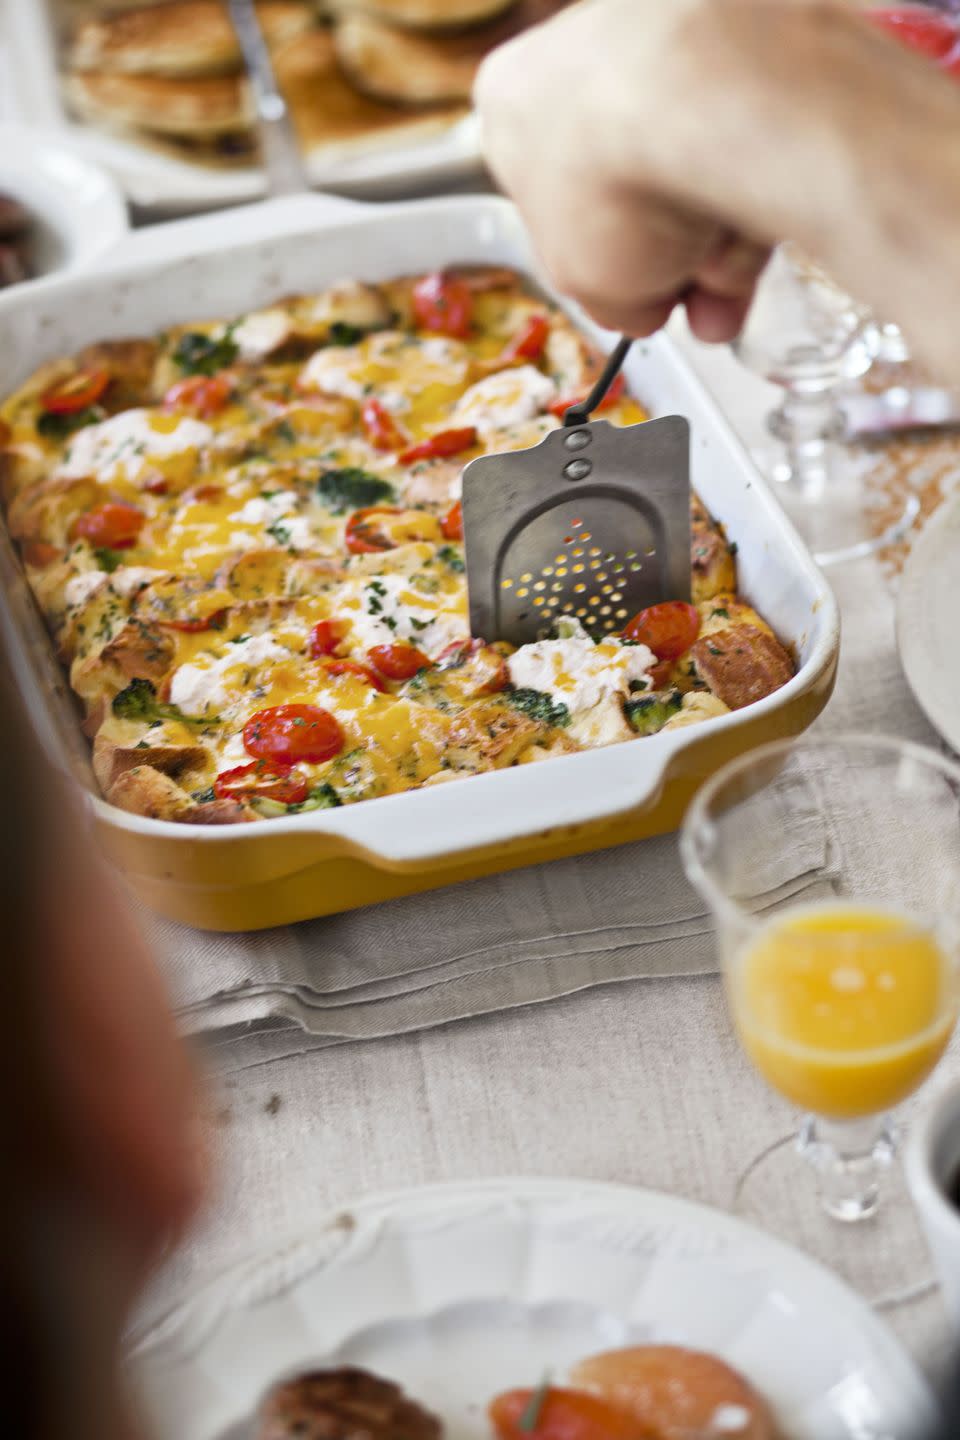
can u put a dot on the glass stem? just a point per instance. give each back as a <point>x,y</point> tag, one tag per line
<point>851,1159</point>
<point>808,422</point>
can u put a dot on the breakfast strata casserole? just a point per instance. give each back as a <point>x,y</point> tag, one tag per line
<point>246,540</point>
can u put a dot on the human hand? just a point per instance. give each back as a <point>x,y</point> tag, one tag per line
<point>656,152</point>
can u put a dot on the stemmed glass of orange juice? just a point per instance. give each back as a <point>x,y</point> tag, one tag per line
<point>843,993</point>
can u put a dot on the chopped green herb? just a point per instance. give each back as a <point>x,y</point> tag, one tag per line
<point>198,354</point>
<point>58,427</point>
<point>714,650</point>
<point>139,702</point>
<point>238,639</point>
<point>203,797</point>
<point>452,558</point>
<point>538,705</point>
<point>285,431</point>
<point>722,611</point>
<point>734,547</point>
<point>351,488</point>
<point>108,559</point>
<point>649,713</point>
<point>530,1418</point>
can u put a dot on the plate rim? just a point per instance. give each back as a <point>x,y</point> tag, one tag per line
<point>151,1339</point>
<point>912,645</point>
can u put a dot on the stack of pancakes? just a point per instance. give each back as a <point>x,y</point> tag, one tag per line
<point>354,72</point>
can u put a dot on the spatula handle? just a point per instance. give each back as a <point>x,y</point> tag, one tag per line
<point>580,413</point>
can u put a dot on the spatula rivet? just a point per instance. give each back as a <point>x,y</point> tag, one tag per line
<point>577,439</point>
<point>577,469</point>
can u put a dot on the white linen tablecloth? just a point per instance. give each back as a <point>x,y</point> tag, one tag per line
<point>641,1082</point>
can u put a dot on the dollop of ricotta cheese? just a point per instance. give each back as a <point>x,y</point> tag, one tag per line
<point>202,686</point>
<point>509,397</point>
<point>388,608</point>
<point>126,442</point>
<point>262,332</point>
<point>577,672</point>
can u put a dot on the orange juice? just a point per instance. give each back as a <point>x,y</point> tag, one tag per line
<point>844,1009</point>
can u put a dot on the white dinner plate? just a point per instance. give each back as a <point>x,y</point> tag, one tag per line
<point>926,620</point>
<point>460,1291</point>
<point>78,210</point>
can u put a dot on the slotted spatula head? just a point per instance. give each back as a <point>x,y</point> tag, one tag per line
<point>593,522</point>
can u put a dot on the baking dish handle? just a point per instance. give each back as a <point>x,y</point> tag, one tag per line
<point>557,797</point>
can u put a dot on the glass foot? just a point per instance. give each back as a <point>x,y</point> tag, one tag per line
<point>823,493</point>
<point>879,1250</point>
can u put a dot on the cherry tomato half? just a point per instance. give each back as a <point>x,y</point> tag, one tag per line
<point>286,734</point>
<point>156,485</point>
<point>615,393</point>
<point>916,29</point>
<point>443,304</point>
<point>357,668</point>
<point>325,636</point>
<point>398,662</point>
<point>203,395</point>
<point>363,536</point>
<point>441,445</point>
<point>563,1415</point>
<point>195,625</point>
<point>452,522</point>
<point>667,629</point>
<point>77,393</point>
<point>263,780</point>
<point>530,343</point>
<point>379,426</point>
<point>113,526</point>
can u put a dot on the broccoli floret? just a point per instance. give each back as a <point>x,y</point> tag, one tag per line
<point>58,427</point>
<point>539,706</point>
<point>649,713</point>
<point>198,354</point>
<point>321,797</point>
<point>452,558</point>
<point>139,702</point>
<point>353,489</point>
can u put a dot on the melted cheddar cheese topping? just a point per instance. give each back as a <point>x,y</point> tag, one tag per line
<point>236,527</point>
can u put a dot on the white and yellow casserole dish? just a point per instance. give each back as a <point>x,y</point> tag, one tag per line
<point>247,877</point>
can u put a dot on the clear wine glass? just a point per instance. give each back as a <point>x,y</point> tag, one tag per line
<point>807,335</point>
<point>843,992</point>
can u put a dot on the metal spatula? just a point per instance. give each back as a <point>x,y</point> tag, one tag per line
<point>594,522</point>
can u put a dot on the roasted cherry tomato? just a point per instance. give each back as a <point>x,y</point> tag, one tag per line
<point>397,662</point>
<point>530,343</point>
<point>269,782</point>
<point>441,445</point>
<point>113,526</point>
<point>357,668</point>
<point>452,522</point>
<point>38,553</point>
<point>667,629</point>
<point>363,536</point>
<point>561,1414</point>
<point>199,623</point>
<point>287,734</point>
<point>379,426</point>
<point>77,393</point>
<point>203,395</point>
<point>615,393</point>
<point>325,636</point>
<point>156,485</point>
<point>443,304</point>
<point>916,29</point>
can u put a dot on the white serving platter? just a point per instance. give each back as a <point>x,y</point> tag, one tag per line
<point>460,1291</point>
<point>78,211</point>
<point>160,183</point>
